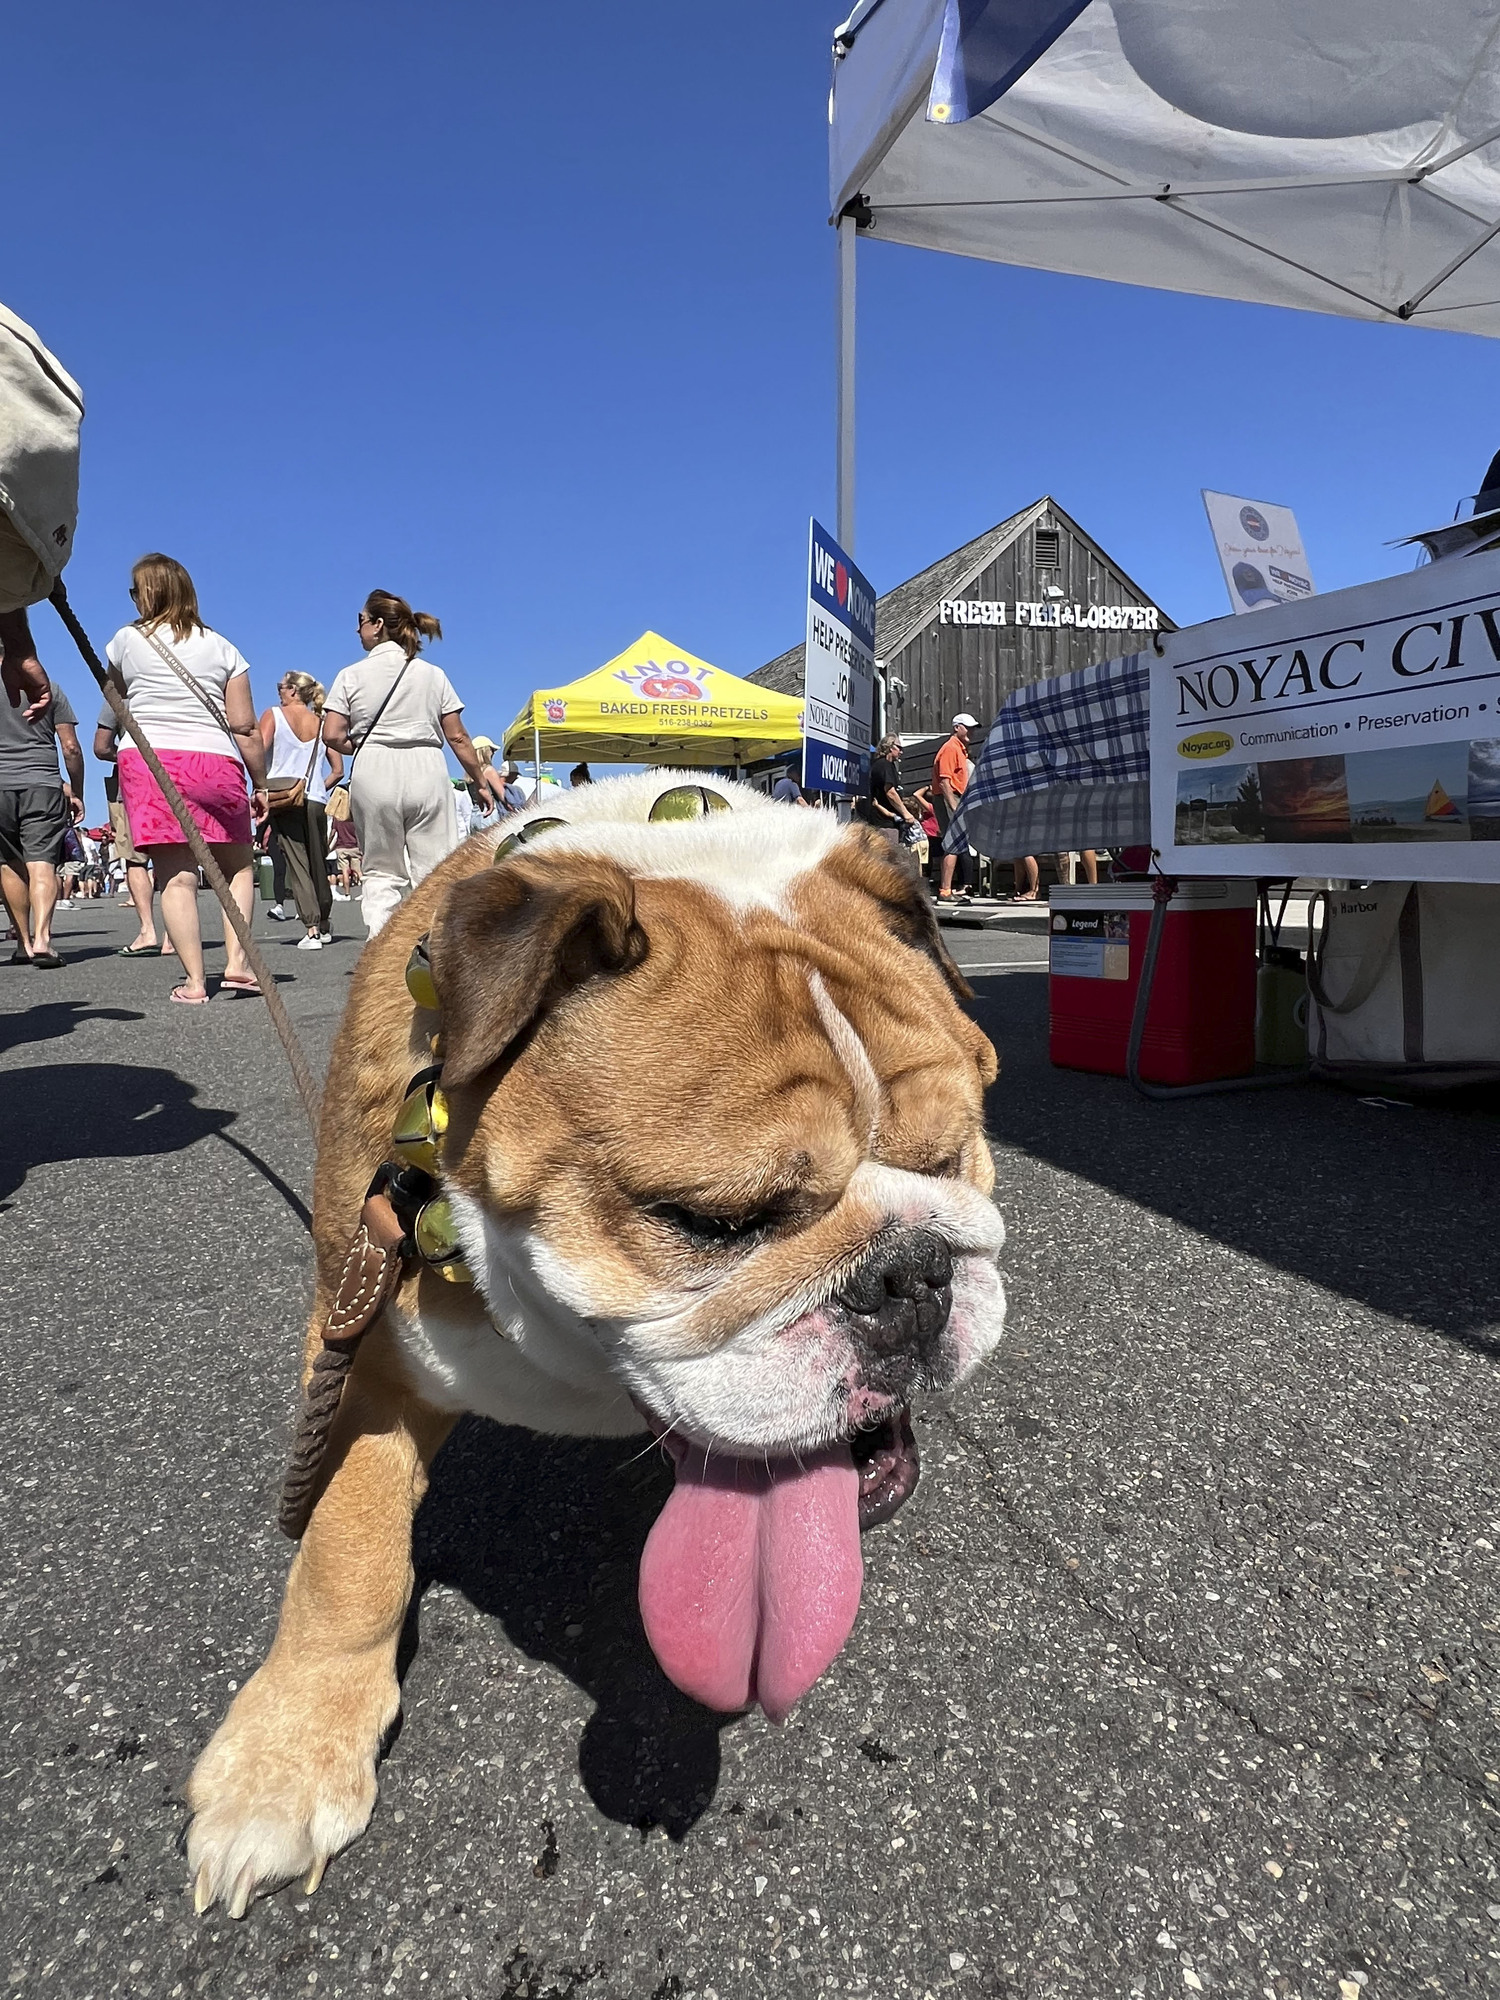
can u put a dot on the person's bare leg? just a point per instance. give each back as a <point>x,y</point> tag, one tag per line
<point>177,875</point>
<point>945,874</point>
<point>138,882</point>
<point>42,882</point>
<point>1027,877</point>
<point>1090,860</point>
<point>17,892</point>
<point>238,864</point>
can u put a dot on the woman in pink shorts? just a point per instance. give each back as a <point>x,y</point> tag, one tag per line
<point>190,691</point>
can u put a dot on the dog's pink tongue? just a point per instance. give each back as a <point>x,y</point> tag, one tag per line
<point>750,1579</point>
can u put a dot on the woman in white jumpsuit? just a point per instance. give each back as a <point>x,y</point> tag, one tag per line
<point>398,713</point>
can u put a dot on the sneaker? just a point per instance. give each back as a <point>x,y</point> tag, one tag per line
<point>64,903</point>
<point>312,942</point>
<point>339,896</point>
<point>325,937</point>
<point>277,914</point>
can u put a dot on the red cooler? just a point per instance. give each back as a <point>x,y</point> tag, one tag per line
<point>1202,1021</point>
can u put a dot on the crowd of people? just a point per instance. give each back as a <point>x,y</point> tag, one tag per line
<point>345,792</point>
<point>919,815</point>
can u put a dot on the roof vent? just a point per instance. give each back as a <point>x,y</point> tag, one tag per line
<point>1047,547</point>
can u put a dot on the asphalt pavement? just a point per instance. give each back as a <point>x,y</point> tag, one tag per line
<point>1177,1676</point>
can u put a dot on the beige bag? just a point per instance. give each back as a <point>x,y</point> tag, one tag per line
<point>1404,986</point>
<point>281,798</point>
<point>41,407</point>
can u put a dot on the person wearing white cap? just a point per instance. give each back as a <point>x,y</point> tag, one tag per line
<point>950,778</point>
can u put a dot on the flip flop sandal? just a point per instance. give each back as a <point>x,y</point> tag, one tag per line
<point>20,956</point>
<point>137,951</point>
<point>47,961</point>
<point>248,986</point>
<point>185,999</point>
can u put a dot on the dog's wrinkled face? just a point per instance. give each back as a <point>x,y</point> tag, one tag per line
<point>732,1138</point>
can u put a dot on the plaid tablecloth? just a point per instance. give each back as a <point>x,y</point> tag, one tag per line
<point>1067,765</point>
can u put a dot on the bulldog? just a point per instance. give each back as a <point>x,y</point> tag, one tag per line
<point>712,1157</point>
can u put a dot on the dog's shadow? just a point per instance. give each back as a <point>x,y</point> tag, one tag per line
<point>545,1534</point>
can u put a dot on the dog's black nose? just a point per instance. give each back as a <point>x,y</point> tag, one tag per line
<point>901,1295</point>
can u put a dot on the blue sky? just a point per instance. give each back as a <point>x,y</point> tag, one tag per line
<point>528,315</point>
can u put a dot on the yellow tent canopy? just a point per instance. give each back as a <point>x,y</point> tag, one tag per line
<point>656,704</point>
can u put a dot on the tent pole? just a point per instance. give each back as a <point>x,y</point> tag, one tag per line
<point>536,756</point>
<point>848,236</point>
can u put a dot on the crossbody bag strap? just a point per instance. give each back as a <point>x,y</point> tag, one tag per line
<point>191,681</point>
<point>312,760</point>
<point>375,721</point>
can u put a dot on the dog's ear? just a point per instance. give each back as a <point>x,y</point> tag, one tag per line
<point>866,859</point>
<point>509,942</point>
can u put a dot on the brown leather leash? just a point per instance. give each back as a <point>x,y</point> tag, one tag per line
<point>406,1221</point>
<point>384,1249</point>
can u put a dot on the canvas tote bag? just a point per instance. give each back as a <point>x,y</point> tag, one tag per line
<point>1404,985</point>
<point>41,408</point>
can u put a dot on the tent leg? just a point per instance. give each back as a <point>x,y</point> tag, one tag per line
<point>848,235</point>
<point>536,755</point>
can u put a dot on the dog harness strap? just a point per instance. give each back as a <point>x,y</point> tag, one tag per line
<point>372,1270</point>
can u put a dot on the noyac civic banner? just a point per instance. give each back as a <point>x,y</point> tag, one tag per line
<point>1354,735</point>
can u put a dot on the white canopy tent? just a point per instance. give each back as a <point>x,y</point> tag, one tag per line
<point>1341,156</point>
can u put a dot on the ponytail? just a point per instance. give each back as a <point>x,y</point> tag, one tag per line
<point>407,627</point>
<point>312,692</point>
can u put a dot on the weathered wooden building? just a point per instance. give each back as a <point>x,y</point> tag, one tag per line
<point>1032,597</point>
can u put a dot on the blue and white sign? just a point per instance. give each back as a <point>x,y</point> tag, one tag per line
<point>839,691</point>
<point>1260,547</point>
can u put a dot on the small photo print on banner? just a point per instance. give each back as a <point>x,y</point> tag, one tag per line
<point>1358,736</point>
<point>1432,791</point>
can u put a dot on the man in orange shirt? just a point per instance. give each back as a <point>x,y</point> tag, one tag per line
<point>950,779</point>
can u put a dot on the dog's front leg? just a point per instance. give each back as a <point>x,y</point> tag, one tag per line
<point>289,1777</point>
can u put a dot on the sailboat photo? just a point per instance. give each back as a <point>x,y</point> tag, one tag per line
<point>1439,805</point>
<point>1417,793</point>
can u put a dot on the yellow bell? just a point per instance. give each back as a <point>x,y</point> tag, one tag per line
<point>419,976</point>
<point>420,1123</point>
<point>524,836</point>
<point>688,802</point>
<point>438,1244</point>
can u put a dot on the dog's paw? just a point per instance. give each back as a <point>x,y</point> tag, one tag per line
<point>287,1781</point>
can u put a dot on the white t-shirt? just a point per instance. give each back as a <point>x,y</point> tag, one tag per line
<point>413,718</point>
<point>171,714</point>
